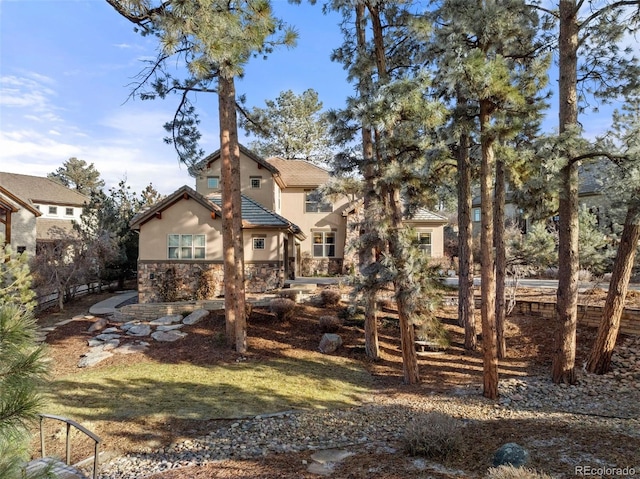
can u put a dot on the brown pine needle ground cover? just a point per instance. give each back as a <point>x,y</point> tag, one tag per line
<point>130,423</point>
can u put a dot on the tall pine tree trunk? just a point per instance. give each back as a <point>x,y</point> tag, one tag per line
<point>488,280</point>
<point>501,258</point>
<point>232,242</point>
<point>599,361</point>
<point>466,301</point>
<point>404,292</point>
<point>368,258</point>
<point>564,351</point>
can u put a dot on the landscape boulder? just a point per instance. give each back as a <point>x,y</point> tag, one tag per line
<point>330,343</point>
<point>510,454</point>
<point>196,316</point>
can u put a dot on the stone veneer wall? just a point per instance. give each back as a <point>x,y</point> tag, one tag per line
<point>588,315</point>
<point>311,266</point>
<point>259,278</point>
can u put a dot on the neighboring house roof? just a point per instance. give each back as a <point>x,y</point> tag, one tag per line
<point>183,192</point>
<point>254,215</point>
<point>12,200</point>
<point>299,173</point>
<point>37,189</point>
<point>424,215</point>
<point>421,215</point>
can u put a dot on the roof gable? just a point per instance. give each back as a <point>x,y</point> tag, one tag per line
<point>206,161</point>
<point>181,193</point>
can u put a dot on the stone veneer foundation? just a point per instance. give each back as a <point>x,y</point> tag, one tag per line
<point>259,278</point>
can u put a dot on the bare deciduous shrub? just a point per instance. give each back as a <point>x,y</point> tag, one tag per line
<point>329,324</point>
<point>206,285</point>
<point>511,472</point>
<point>283,308</point>
<point>433,435</point>
<point>330,297</point>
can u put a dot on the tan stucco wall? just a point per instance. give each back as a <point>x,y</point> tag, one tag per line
<point>437,237</point>
<point>23,230</point>
<point>183,217</point>
<point>293,208</point>
<point>248,168</point>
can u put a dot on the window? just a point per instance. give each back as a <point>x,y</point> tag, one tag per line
<point>324,244</point>
<point>315,204</point>
<point>68,211</point>
<point>258,243</point>
<point>476,214</point>
<point>213,182</point>
<point>53,210</point>
<point>186,246</point>
<point>256,182</point>
<point>424,242</point>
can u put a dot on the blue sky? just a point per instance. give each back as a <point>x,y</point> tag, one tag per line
<point>66,70</point>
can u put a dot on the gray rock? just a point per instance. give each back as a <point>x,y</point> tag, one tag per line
<point>131,348</point>
<point>510,453</point>
<point>111,344</point>
<point>92,358</point>
<point>330,343</point>
<point>168,336</point>
<point>107,337</point>
<point>93,343</point>
<point>139,330</point>
<point>170,327</point>
<point>196,316</point>
<point>98,325</point>
<point>164,320</point>
<point>112,329</point>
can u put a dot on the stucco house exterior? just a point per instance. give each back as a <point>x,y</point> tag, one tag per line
<point>34,208</point>
<point>288,229</point>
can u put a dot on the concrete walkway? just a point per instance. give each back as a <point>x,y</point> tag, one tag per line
<point>108,306</point>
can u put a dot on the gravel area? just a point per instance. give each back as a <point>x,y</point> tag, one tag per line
<point>607,403</point>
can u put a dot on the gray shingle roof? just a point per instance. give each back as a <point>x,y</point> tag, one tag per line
<point>37,189</point>
<point>425,215</point>
<point>256,215</point>
<point>299,173</point>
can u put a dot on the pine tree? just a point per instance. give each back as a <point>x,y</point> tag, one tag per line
<point>22,363</point>
<point>485,55</point>
<point>588,43</point>
<point>625,175</point>
<point>79,176</point>
<point>292,127</point>
<point>215,39</point>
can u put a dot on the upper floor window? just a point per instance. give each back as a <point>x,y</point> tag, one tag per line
<point>476,214</point>
<point>213,182</point>
<point>324,244</point>
<point>186,246</point>
<point>68,211</point>
<point>424,242</point>
<point>315,204</point>
<point>256,182</point>
<point>53,210</point>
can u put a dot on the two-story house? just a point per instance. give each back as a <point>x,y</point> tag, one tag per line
<point>33,209</point>
<point>288,229</point>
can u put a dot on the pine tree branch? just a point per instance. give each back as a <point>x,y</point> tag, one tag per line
<point>606,9</point>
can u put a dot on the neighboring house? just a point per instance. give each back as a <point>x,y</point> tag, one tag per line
<point>590,195</point>
<point>34,209</point>
<point>288,229</point>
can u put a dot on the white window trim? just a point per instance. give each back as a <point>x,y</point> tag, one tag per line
<point>181,247</point>
<point>325,246</point>
<point>318,204</point>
